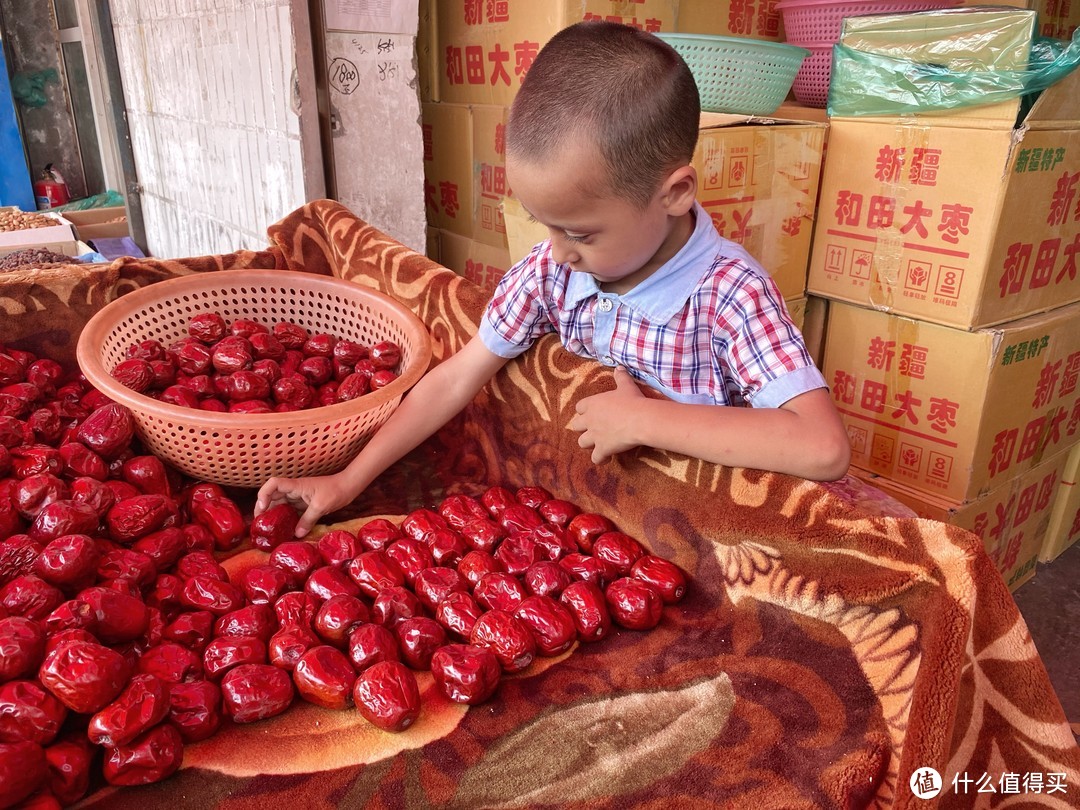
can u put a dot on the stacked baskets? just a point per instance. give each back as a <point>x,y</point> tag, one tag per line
<point>816,26</point>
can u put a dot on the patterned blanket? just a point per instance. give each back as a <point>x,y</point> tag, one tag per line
<point>825,656</point>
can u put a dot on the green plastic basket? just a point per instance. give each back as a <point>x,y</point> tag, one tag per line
<point>744,76</point>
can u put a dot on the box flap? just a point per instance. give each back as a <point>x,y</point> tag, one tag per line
<point>711,120</point>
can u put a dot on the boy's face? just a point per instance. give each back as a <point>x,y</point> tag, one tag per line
<point>612,239</point>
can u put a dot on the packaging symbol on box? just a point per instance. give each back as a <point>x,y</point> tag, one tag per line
<point>949,412</point>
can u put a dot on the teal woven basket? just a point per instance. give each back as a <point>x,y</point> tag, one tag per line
<point>743,76</point>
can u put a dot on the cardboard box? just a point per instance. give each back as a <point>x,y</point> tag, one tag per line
<point>431,243</point>
<point>754,19</point>
<point>758,179</point>
<point>796,308</point>
<point>448,191</point>
<point>950,412</point>
<point>482,264</point>
<point>523,232</point>
<point>815,317</point>
<point>958,221</point>
<point>70,247</point>
<point>1064,527</point>
<point>794,111</point>
<point>1057,18</point>
<point>465,170</point>
<point>489,173</point>
<point>27,237</point>
<point>485,49</point>
<point>99,223</point>
<point>1013,519</point>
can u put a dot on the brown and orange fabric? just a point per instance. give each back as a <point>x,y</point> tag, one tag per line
<point>824,655</point>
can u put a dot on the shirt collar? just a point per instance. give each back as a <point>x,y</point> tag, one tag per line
<point>665,292</point>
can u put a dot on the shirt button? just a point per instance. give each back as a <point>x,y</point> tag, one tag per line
<point>609,361</point>
<point>605,305</point>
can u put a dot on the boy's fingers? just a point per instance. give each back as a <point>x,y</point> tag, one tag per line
<point>265,496</point>
<point>624,379</point>
<point>307,522</point>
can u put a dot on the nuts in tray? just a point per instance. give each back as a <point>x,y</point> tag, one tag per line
<point>22,220</point>
<point>34,257</point>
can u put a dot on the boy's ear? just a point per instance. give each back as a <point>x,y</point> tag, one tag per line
<point>680,190</point>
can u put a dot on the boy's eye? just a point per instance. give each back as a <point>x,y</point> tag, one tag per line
<point>575,237</point>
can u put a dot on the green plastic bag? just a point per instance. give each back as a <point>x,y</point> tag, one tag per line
<point>871,84</point>
<point>106,199</point>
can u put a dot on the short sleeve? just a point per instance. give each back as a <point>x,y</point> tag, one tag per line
<point>517,315</point>
<point>761,347</point>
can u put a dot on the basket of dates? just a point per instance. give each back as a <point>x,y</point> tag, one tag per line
<point>237,376</point>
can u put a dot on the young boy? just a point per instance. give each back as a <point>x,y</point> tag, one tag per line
<point>598,148</point>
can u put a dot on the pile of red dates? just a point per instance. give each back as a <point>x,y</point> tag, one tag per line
<point>123,637</point>
<point>244,366</point>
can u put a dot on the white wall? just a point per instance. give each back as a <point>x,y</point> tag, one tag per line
<point>377,141</point>
<point>213,114</point>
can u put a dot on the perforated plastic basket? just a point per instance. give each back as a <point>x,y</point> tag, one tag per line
<point>245,450</point>
<point>811,85</point>
<point>819,21</point>
<point>743,76</point>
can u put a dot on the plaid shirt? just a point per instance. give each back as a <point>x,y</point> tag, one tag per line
<point>707,327</point>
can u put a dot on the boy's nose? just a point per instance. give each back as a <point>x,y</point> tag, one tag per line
<point>561,250</point>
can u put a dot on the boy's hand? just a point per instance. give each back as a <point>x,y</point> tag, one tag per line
<point>315,497</point>
<point>602,418</point>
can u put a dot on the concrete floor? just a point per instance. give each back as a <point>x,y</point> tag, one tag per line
<point>1050,604</point>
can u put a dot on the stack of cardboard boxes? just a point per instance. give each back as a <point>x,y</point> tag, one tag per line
<point>943,270</point>
<point>759,178</point>
<point>100,223</point>
<point>947,245</point>
<point>72,234</point>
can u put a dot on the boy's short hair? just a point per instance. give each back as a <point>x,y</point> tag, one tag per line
<point>627,91</point>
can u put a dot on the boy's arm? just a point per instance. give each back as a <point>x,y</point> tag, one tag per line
<point>433,401</point>
<point>803,437</point>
